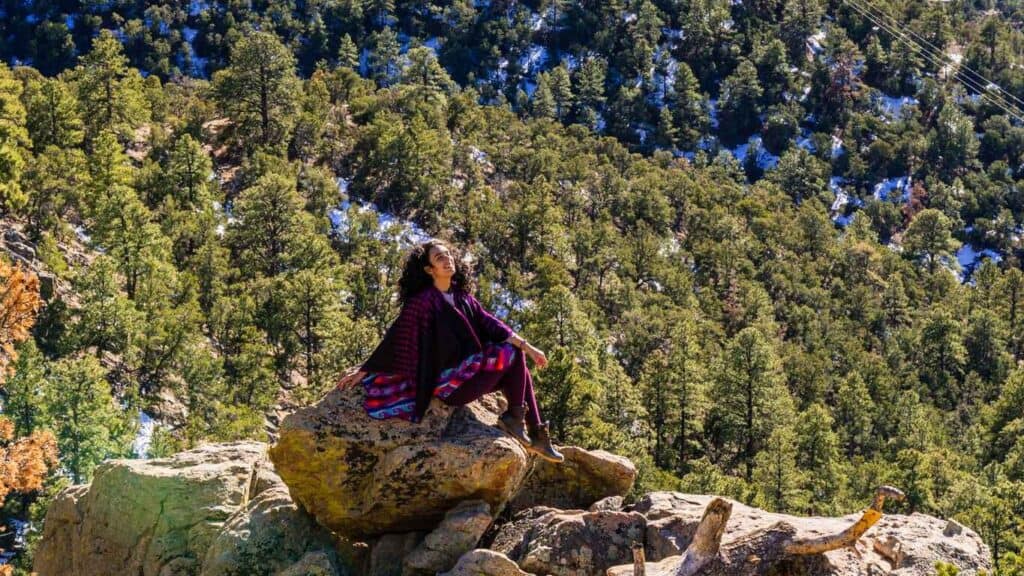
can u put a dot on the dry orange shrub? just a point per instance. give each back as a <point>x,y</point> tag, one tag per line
<point>19,302</point>
<point>24,462</point>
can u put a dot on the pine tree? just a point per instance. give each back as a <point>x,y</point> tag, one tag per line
<point>1011,287</point>
<point>88,424</point>
<point>384,58</point>
<point>23,389</point>
<point>189,168</point>
<point>690,107</point>
<point>854,415</point>
<point>424,74</point>
<point>952,144</point>
<point>110,93</point>
<point>942,358</point>
<point>876,64</point>
<point>818,456</point>
<point>122,223</point>
<point>561,90</point>
<point>666,134</point>
<point>778,480</point>
<point>315,115</point>
<point>740,103</point>
<point>267,221</point>
<point>751,399</point>
<point>643,40</point>
<point>707,34</point>
<point>772,69</point>
<point>259,90</point>
<point>801,175</point>
<point>348,53</point>
<point>590,90</point>
<point>929,238</point>
<point>52,115</point>
<point>108,320</point>
<point>14,143</point>
<point>543,103</point>
<point>800,19</point>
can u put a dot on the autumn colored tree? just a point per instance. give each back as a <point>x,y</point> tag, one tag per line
<point>24,462</point>
<point>19,302</point>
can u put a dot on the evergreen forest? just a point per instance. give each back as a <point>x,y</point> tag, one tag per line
<point>771,248</point>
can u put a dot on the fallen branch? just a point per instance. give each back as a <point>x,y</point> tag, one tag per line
<point>772,550</point>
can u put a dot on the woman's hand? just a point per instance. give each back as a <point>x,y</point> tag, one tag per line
<point>351,376</point>
<point>535,354</point>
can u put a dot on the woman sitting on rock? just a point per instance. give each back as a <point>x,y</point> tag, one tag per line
<point>445,344</point>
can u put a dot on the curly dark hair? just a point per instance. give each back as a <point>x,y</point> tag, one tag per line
<point>414,279</point>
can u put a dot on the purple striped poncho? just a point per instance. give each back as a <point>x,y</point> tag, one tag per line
<point>432,342</point>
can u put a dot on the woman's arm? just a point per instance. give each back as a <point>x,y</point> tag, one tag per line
<point>494,329</point>
<point>498,331</point>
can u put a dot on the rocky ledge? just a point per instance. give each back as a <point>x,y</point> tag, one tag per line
<point>341,494</point>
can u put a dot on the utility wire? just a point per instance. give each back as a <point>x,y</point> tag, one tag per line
<point>984,90</point>
<point>938,51</point>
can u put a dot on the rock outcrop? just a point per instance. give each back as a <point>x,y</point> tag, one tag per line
<point>897,544</point>
<point>358,496</point>
<point>585,477</point>
<point>361,477</point>
<point>214,510</point>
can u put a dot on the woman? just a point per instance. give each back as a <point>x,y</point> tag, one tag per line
<point>445,344</point>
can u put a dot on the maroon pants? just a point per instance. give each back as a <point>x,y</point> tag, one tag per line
<point>514,381</point>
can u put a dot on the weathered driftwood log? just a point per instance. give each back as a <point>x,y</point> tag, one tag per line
<point>766,551</point>
<point>773,550</point>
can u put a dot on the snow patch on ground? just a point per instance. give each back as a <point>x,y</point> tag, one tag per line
<point>970,258</point>
<point>883,189</point>
<point>196,7</point>
<point>765,160</point>
<point>534,59</point>
<point>814,42</point>
<point>83,236</point>
<point>893,106</point>
<point>390,228</point>
<point>143,438</point>
<point>842,207</point>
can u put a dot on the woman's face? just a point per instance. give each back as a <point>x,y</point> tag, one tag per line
<point>442,263</point>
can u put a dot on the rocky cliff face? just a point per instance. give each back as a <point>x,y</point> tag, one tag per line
<point>216,510</point>
<point>342,494</point>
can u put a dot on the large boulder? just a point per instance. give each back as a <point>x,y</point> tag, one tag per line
<point>482,562</point>
<point>167,516</point>
<point>457,534</point>
<point>362,477</point>
<point>570,543</point>
<point>270,535</point>
<point>585,477</point>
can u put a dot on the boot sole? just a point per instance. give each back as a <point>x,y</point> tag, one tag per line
<point>545,455</point>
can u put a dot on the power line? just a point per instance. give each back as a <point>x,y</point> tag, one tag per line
<point>938,51</point>
<point>984,90</point>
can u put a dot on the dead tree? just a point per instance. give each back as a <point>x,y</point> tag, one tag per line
<point>771,550</point>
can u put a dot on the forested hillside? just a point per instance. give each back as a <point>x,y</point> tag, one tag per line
<point>749,236</point>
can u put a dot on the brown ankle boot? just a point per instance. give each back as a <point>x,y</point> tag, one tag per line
<point>541,444</point>
<point>513,422</point>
